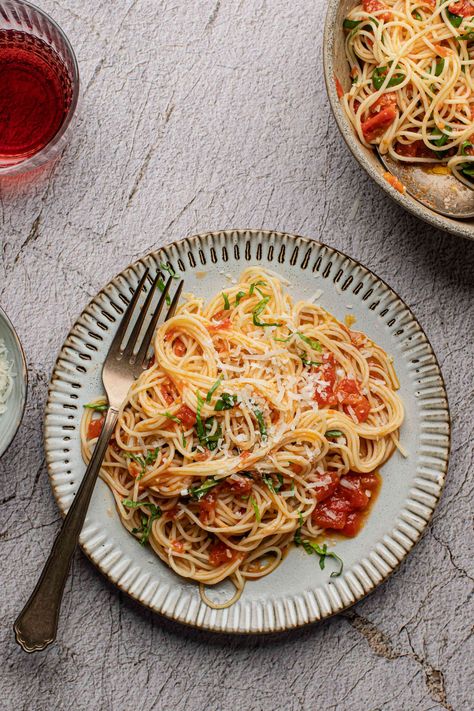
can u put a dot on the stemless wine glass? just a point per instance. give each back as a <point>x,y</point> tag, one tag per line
<point>39,87</point>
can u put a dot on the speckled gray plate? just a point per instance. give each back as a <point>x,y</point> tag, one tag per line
<point>11,419</point>
<point>335,64</point>
<point>298,591</point>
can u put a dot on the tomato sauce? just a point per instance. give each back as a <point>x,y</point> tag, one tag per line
<point>187,416</point>
<point>95,428</point>
<point>463,8</point>
<point>219,553</point>
<point>207,507</point>
<point>343,506</point>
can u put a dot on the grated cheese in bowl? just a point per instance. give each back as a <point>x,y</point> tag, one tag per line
<point>6,377</point>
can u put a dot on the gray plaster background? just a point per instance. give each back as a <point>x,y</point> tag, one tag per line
<point>195,116</point>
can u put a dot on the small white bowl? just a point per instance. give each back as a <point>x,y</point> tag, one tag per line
<point>11,419</point>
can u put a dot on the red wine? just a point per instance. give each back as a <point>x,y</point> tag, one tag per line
<point>35,95</point>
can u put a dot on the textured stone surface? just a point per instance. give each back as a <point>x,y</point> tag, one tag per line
<point>196,116</point>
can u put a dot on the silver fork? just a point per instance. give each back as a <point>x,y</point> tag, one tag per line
<point>37,624</point>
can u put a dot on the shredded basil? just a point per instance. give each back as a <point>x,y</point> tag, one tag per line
<point>334,433</point>
<point>254,286</point>
<point>168,268</point>
<point>225,402</point>
<point>283,340</point>
<point>139,460</point>
<point>171,417</point>
<point>268,480</point>
<point>292,490</point>
<point>226,302</point>
<point>256,509</point>
<point>199,424</point>
<point>351,24</point>
<point>323,553</point>
<point>213,390</point>
<point>455,20</point>
<point>312,342</point>
<point>198,492</point>
<point>468,37</point>
<point>161,286</point>
<point>203,429</point>
<point>98,408</point>
<point>246,474</point>
<point>261,422</point>
<point>439,67</point>
<point>441,138</point>
<point>151,455</point>
<point>258,310</point>
<point>297,537</point>
<point>380,74</point>
<point>149,458</point>
<point>183,439</point>
<point>211,440</point>
<point>146,523</point>
<point>417,15</point>
<point>307,362</point>
<point>238,297</point>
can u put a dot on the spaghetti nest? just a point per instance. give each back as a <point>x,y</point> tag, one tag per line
<point>412,80</point>
<point>253,409</point>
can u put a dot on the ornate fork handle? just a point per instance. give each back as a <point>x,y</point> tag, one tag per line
<point>37,623</point>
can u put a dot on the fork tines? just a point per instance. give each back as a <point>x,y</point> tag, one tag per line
<point>127,351</point>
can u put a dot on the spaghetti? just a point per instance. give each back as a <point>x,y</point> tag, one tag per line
<point>259,422</point>
<point>412,81</point>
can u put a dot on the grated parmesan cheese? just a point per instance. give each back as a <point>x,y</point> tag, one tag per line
<point>6,377</point>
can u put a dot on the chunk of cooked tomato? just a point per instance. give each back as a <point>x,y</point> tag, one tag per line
<point>324,391</point>
<point>359,404</point>
<point>376,5</point>
<point>219,554</point>
<point>219,324</point>
<point>353,493</point>
<point>416,149</point>
<point>463,8</point>
<point>187,416</point>
<point>389,98</point>
<point>178,546</point>
<point>222,325</point>
<point>344,509</point>
<point>240,485</point>
<point>207,506</point>
<point>95,427</point>
<point>349,396</point>
<point>353,524</point>
<point>368,481</point>
<point>347,386</point>
<point>325,517</point>
<point>169,392</point>
<point>376,125</point>
<point>339,89</point>
<point>326,485</point>
<point>171,513</point>
<point>179,348</point>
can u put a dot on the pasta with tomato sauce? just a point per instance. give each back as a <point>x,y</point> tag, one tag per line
<point>260,422</point>
<point>412,70</point>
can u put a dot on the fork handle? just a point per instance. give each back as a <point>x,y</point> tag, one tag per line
<point>37,623</point>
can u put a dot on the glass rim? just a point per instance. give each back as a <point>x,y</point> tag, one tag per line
<point>76,86</point>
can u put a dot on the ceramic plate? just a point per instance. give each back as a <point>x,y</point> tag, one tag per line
<point>11,419</point>
<point>335,64</point>
<point>298,592</point>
